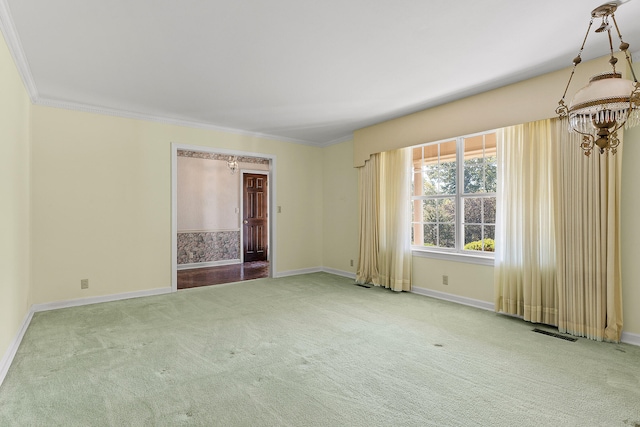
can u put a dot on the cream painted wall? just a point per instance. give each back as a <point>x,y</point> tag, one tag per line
<point>340,208</point>
<point>465,280</point>
<point>14,200</point>
<point>101,201</point>
<point>630,230</point>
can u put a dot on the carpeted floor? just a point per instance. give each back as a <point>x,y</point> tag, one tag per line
<point>309,350</point>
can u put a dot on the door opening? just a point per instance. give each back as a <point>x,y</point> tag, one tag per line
<point>255,222</point>
<point>208,243</point>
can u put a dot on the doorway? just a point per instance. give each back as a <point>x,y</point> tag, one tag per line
<point>255,226</point>
<point>255,255</point>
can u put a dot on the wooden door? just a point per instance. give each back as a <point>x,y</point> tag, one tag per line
<point>255,226</point>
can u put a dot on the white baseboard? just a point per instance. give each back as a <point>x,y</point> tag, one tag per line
<point>207,264</point>
<point>340,273</point>
<point>316,270</point>
<point>297,272</point>
<point>453,298</point>
<point>7,359</point>
<point>95,300</point>
<point>629,338</point>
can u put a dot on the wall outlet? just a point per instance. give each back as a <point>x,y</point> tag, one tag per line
<point>351,263</point>
<point>445,280</point>
<point>84,284</point>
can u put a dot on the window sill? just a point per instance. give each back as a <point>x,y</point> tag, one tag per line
<point>454,256</point>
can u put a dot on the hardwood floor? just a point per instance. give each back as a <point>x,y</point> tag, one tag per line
<point>196,277</point>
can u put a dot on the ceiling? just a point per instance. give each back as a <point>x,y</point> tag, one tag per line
<point>301,71</point>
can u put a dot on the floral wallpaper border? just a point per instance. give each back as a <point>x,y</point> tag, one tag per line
<point>207,246</point>
<point>225,157</point>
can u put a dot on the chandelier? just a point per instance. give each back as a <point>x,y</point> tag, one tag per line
<point>609,102</point>
<point>232,164</point>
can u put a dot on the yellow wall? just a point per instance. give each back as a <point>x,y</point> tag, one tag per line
<point>630,230</point>
<point>340,208</point>
<point>101,194</point>
<point>465,280</point>
<point>14,200</point>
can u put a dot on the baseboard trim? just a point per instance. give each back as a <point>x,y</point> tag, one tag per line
<point>8,357</point>
<point>453,298</point>
<point>297,272</point>
<point>207,264</point>
<point>340,273</point>
<point>629,338</point>
<point>99,299</point>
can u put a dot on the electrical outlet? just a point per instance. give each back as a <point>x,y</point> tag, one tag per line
<point>351,263</point>
<point>445,280</point>
<point>84,284</point>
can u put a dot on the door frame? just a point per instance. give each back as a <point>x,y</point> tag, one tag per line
<point>255,172</point>
<point>271,202</point>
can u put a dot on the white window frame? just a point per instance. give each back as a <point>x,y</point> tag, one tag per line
<point>458,253</point>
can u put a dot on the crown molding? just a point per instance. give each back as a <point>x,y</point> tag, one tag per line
<point>15,48</point>
<point>68,105</point>
<point>340,140</point>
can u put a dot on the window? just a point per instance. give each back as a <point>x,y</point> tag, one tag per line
<point>446,215</point>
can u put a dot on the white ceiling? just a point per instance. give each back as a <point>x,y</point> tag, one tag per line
<point>303,71</point>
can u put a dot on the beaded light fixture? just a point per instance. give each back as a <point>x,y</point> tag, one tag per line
<point>609,102</point>
<point>232,164</point>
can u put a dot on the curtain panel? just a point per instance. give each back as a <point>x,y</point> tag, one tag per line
<point>384,201</point>
<point>525,261</point>
<point>588,234</point>
<point>558,231</point>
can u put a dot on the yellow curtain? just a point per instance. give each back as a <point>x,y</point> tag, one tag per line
<point>384,201</point>
<point>588,232</point>
<point>525,272</point>
<point>369,189</point>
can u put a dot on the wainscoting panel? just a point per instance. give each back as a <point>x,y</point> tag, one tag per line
<point>208,246</point>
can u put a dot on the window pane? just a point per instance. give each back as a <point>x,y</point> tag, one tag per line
<point>448,167</point>
<point>473,176</point>
<point>490,232</point>
<point>472,210</point>
<point>447,210</point>
<point>447,235</point>
<point>429,211</point>
<point>489,210</point>
<point>480,164</point>
<point>473,237</point>
<point>490,156</point>
<point>448,178</point>
<point>430,235</point>
<point>491,172</point>
<point>431,176</point>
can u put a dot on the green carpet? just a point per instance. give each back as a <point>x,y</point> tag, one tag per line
<point>309,350</point>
